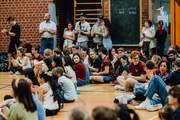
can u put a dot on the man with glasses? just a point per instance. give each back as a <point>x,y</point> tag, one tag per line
<point>136,73</point>
<point>15,36</point>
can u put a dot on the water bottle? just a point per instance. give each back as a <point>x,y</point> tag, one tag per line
<point>124,98</point>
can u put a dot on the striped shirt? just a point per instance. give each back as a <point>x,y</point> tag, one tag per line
<point>107,63</point>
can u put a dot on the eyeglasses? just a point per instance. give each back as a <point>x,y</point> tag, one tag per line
<point>136,58</point>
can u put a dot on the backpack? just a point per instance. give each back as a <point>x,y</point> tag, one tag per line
<point>3,67</point>
<point>3,57</point>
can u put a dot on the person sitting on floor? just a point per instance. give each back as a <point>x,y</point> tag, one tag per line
<point>69,69</point>
<point>164,68</point>
<point>174,99</point>
<point>10,101</point>
<point>157,84</point>
<point>137,73</point>
<point>68,90</point>
<point>128,53</point>
<point>84,53</point>
<point>107,73</point>
<point>27,47</point>
<point>172,55</point>
<point>47,93</point>
<point>79,69</point>
<point>144,55</point>
<point>75,49</point>
<point>56,62</point>
<point>65,52</point>
<point>94,62</point>
<point>57,53</point>
<point>44,64</point>
<point>113,56</point>
<point>37,56</point>
<point>21,63</point>
<point>166,112</point>
<point>25,108</point>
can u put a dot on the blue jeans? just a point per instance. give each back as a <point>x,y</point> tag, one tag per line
<point>80,83</point>
<point>157,84</point>
<point>82,44</point>
<point>64,99</point>
<point>46,43</point>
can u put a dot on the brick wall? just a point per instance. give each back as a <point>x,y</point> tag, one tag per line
<point>28,14</point>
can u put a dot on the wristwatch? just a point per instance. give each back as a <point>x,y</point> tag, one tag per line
<point>49,31</point>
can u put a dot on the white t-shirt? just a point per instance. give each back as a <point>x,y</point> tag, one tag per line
<point>71,73</point>
<point>84,27</point>
<point>68,88</point>
<point>86,60</point>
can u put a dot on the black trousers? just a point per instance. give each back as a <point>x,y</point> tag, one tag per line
<point>15,69</point>
<point>51,112</point>
<point>160,49</point>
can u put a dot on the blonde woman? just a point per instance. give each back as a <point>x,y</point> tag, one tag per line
<point>22,62</point>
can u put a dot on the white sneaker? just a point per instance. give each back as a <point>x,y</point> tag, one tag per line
<point>17,73</point>
<point>154,107</point>
<point>143,105</point>
<point>11,72</point>
<point>119,87</point>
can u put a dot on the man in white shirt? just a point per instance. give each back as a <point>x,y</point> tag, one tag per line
<point>82,28</point>
<point>47,29</point>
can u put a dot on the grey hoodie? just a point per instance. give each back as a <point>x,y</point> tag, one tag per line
<point>97,38</point>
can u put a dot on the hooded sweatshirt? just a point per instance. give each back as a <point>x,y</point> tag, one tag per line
<point>174,78</point>
<point>97,38</point>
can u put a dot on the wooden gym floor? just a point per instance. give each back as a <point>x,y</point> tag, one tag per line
<point>91,96</point>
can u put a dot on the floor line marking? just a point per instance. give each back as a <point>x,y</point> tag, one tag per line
<point>153,117</point>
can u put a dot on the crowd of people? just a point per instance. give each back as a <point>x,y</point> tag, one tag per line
<point>53,76</point>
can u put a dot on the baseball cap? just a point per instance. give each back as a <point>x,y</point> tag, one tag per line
<point>100,16</point>
<point>83,14</point>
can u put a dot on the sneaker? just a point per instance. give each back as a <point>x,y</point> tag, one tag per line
<point>119,87</point>
<point>128,89</point>
<point>17,73</point>
<point>152,108</point>
<point>119,99</point>
<point>114,82</point>
<point>135,102</point>
<point>143,105</point>
<point>11,72</point>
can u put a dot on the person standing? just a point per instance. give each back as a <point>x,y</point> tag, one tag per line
<point>96,32</point>
<point>160,37</point>
<point>69,37</point>
<point>14,36</point>
<point>147,37</point>
<point>47,29</point>
<point>107,33</point>
<point>83,30</point>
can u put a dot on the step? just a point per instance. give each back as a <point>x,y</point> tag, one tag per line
<point>87,18</point>
<point>97,3</point>
<point>93,14</point>
<point>83,10</point>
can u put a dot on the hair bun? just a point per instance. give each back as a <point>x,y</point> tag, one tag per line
<point>48,73</point>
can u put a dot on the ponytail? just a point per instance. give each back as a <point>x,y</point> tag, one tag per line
<point>47,78</point>
<point>135,115</point>
<point>123,112</point>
